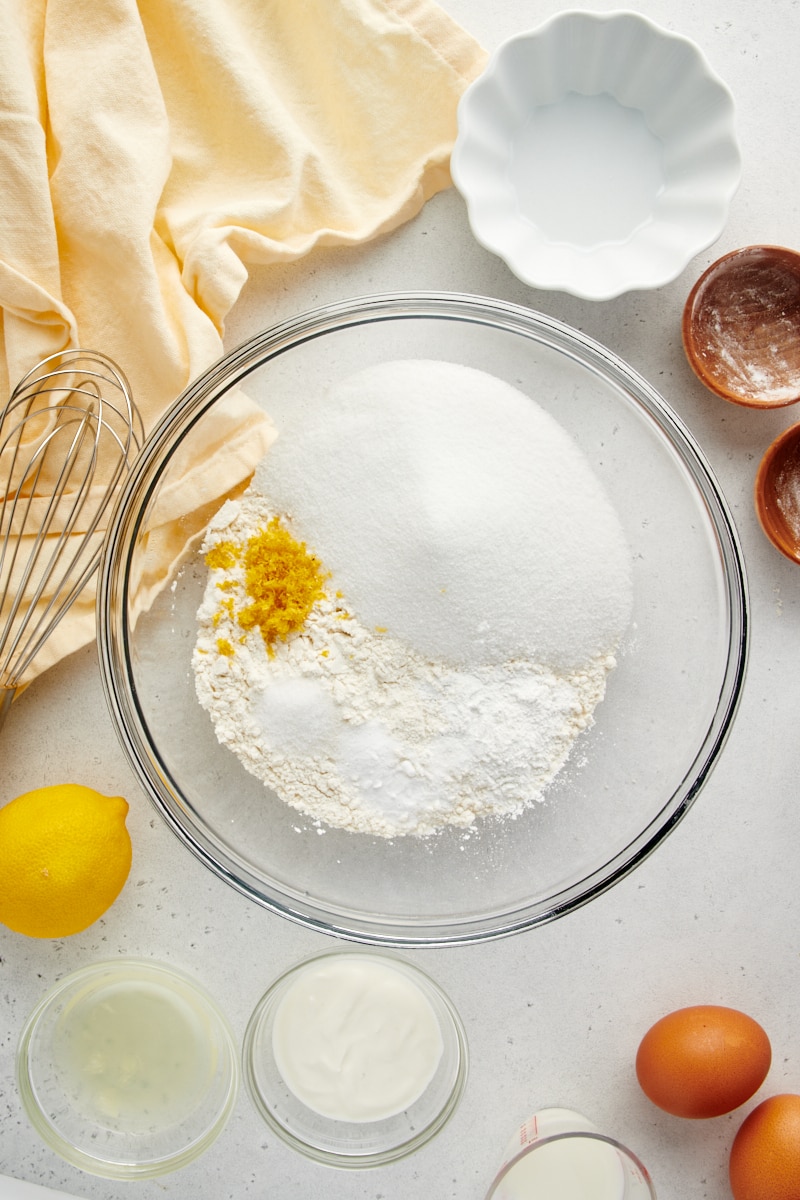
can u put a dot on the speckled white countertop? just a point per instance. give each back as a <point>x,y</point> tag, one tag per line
<point>553,1016</point>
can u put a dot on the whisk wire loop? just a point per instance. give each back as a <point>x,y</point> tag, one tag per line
<point>68,436</point>
<point>37,569</point>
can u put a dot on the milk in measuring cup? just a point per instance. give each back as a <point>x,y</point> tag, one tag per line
<point>559,1155</point>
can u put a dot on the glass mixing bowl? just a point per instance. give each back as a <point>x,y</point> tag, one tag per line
<point>633,775</point>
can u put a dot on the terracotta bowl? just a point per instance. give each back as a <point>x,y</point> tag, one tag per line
<point>777,493</point>
<point>741,327</point>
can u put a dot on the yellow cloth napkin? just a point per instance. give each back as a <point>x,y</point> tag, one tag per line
<point>149,152</point>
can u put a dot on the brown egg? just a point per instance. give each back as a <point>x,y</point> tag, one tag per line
<point>765,1156</point>
<point>703,1061</point>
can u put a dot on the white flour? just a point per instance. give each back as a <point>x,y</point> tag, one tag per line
<point>354,728</point>
<point>362,729</point>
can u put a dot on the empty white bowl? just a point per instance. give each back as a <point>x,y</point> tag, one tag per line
<point>597,154</point>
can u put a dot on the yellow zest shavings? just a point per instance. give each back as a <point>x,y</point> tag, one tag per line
<point>381,628</point>
<point>283,581</point>
<point>223,556</point>
<point>225,609</point>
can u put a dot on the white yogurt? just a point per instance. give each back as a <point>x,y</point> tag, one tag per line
<point>356,1039</point>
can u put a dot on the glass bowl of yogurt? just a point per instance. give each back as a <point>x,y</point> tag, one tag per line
<point>355,1059</point>
<point>452,642</point>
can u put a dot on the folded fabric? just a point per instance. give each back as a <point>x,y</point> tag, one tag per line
<point>150,152</point>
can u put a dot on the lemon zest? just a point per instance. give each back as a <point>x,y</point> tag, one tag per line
<point>283,580</point>
<point>223,556</point>
<point>226,608</point>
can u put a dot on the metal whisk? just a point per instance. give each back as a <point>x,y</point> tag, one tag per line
<point>68,436</point>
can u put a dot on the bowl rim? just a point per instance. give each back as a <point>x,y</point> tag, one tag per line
<point>115,572</point>
<point>496,238</point>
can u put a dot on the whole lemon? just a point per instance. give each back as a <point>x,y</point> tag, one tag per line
<point>65,854</point>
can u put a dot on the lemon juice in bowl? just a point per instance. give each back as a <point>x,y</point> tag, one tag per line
<point>127,1069</point>
<point>132,1054</point>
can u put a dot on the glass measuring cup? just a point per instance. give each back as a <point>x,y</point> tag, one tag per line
<point>560,1155</point>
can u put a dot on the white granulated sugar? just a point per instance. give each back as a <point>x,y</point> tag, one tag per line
<point>422,690</point>
<point>488,535</point>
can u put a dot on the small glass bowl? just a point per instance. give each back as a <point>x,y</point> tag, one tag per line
<point>127,1069</point>
<point>351,1144</point>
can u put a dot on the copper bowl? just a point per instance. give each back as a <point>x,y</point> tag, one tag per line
<point>777,493</point>
<point>741,327</point>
